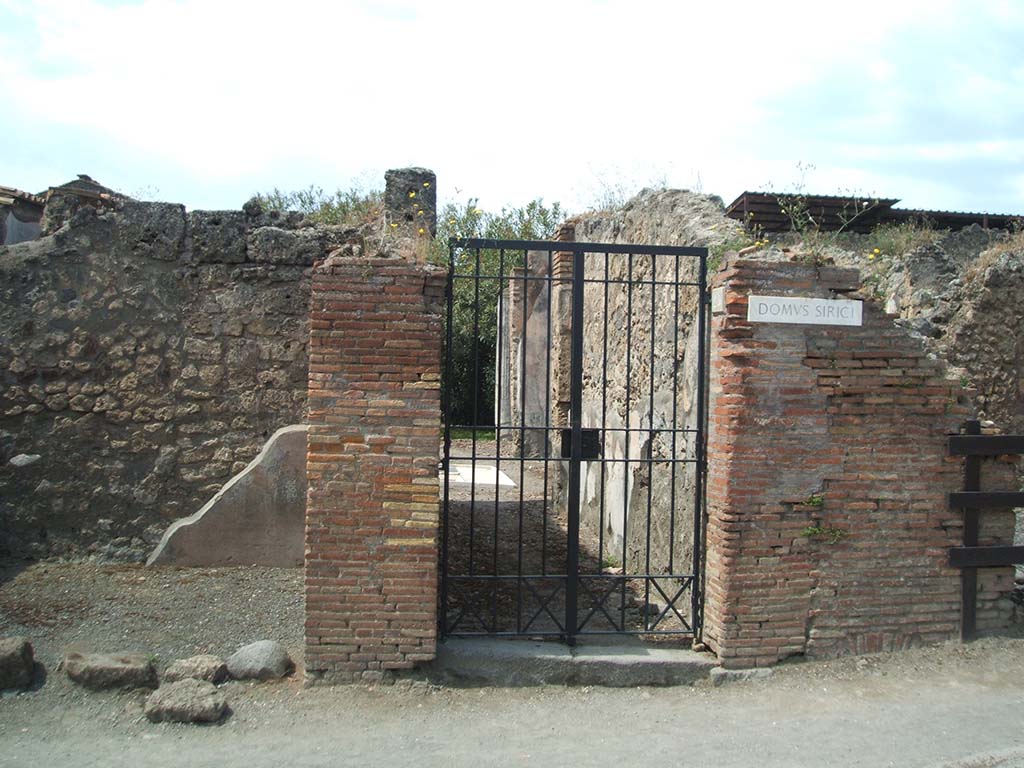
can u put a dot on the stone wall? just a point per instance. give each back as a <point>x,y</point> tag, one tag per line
<point>964,293</point>
<point>146,354</point>
<point>828,525</point>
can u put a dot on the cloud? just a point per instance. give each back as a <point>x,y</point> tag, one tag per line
<point>506,102</point>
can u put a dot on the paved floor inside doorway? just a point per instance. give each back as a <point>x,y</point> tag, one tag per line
<point>487,534</point>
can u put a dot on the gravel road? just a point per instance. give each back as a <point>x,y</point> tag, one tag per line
<point>953,706</point>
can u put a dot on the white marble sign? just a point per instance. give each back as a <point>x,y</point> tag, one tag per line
<point>790,309</point>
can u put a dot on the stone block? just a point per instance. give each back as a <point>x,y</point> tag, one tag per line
<point>218,237</point>
<point>203,667</point>
<point>186,701</point>
<point>16,662</point>
<point>152,230</point>
<point>270,245</point>
<point>110,670</point>
<point>410,199</point>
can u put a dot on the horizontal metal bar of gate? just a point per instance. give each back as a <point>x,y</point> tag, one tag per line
<point>574,247</point>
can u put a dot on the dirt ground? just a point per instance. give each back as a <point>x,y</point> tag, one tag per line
<point>950,706</point>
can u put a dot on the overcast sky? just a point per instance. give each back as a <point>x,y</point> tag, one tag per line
<point>208,101</point>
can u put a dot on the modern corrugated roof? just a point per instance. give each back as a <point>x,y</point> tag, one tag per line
<point>830,213</point>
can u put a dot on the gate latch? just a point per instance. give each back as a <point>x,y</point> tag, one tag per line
<point>591,444</point>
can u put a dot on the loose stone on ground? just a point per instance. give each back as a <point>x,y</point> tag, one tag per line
<point>17,662</point>
<point>24,459</point>
<point>186,701</point>
<point>720,676</point>
<point>102,670</point>
<point>203,667</point>
<point>262,660</point>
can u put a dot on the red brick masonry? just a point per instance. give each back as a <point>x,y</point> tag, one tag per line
<point>828,526</point>
<point>372,511</point>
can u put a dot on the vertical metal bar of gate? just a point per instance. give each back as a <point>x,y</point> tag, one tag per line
<point>697,587</point>
<point>446,413</point>
<point>576,425</point>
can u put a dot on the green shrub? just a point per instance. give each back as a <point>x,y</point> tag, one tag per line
<point>353,207</point>
<point>475,307</point>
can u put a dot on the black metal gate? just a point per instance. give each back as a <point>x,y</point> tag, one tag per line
<point>573,462</point>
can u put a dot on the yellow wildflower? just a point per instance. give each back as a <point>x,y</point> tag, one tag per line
<point>422,230</point>
<point>426,183</point>
<point>412,194</point>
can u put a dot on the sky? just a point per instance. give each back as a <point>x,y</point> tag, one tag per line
<point>207,102</point>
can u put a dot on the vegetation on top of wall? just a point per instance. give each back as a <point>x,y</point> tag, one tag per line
<point>474,333</point>
<point>351,207</point>
<point>893,239</point>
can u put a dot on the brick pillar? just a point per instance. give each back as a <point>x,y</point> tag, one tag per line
<point>828,526</point>
<point>372,511</point>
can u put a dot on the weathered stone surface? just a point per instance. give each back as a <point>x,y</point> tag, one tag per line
<point>218,236</point>
<point>24,459</point>
<point>110,670</point>
<point>258,517</point>
<point>262,660</point>
<point>410,200</point>
<point>17,662</point>
<point>962,291</point>
<point>186,701</point>
<point>720,676</point>
<point>271,245</point>
<point>163,369</point>
<point>206,667</point>
<point>150,230</point>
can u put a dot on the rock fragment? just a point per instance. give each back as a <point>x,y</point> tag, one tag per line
<point>721,676</point>
<point>17,662</point>
<point>110,670</point>
<point>186,701</point>
<point>203,667</point>
<point>24,459</point>
<point>262,660</point>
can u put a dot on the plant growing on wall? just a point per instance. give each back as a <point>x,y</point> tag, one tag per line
<point>806,222</point>
<point>346,207</point>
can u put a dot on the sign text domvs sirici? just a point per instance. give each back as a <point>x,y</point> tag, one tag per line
<point>788,309</point>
